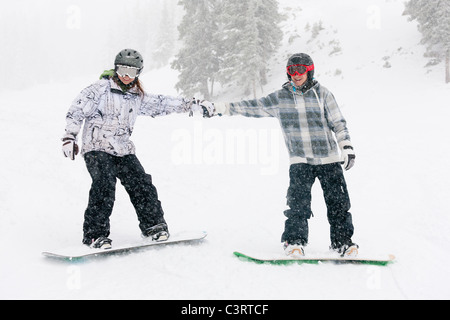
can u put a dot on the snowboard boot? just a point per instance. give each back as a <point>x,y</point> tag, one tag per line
<point>294,249</point>
<point>101,243</point>
<point>157,233</point>
<point>347,250</point>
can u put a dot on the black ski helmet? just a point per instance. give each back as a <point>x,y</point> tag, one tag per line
<point>304,59</point>
<point>129,57</point>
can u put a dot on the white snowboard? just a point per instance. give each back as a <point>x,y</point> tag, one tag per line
<point>82,251</point>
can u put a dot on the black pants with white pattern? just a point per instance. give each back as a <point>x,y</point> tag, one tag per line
<point>331,177</point>
<point>104,170</point>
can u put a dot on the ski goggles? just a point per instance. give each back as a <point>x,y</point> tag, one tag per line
<point>299,69</point>
<point>131,72</point>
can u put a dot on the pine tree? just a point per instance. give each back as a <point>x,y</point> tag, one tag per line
<point>269,30</point>
<point>433,17</point>
<point>250,37</point>
<point>197,61</point>
<point>230,41</point>
<point>165,42</point>
<point>242,56</point>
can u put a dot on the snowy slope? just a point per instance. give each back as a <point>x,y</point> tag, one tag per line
<point>210,176</point>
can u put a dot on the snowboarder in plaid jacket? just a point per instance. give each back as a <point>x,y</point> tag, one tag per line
<point>319,145</point>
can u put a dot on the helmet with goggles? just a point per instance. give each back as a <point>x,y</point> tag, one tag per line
<point>129,63</point>
<point>299,64</point>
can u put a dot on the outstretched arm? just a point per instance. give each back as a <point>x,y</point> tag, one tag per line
<point>160,105</point>
<point>258,108</point>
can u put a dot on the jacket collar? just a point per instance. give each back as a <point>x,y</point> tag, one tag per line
<point>300,90</point>
<point>117,89</point>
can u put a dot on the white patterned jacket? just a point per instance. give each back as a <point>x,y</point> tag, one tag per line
<point>109,115</point>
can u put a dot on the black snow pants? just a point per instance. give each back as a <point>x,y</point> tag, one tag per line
<point>331,177</point>
<point>104,169</point>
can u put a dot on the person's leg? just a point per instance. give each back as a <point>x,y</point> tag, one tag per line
<point>299,201</point>
<point>101,167</point>
<point>337,200</point>
<point>142,192</point>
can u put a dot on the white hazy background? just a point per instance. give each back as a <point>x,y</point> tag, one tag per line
<point>229,175</point>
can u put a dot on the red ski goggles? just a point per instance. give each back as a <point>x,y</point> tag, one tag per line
<point>299,69</point>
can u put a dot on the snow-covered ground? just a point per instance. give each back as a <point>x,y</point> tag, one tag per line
<point>229,176</point>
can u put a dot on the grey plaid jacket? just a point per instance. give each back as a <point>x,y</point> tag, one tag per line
<point>109,115</point>
<point>312,123</point>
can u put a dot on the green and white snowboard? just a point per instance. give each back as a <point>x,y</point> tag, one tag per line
<point>382,261</point>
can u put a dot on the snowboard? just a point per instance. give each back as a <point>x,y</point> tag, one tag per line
<point>84,252</point>
<point>317,260</point>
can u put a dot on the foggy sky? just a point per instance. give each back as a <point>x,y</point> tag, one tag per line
<point>55,40</point>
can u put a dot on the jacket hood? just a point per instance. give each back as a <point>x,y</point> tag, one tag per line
<point>107,74</point>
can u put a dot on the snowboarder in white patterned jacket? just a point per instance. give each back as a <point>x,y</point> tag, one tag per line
<point>108,109</point>
<point>315,131</point>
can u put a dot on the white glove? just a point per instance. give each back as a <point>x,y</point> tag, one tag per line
<point>204,106</point>
<point>208,108</point>
<point>349,157</point>
<point>70,147</point>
